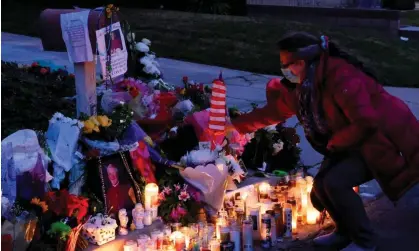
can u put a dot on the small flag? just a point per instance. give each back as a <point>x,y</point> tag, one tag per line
<point>217,119</point>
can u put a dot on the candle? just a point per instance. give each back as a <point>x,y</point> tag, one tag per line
<point>219,223</point>
<point>179,240</point>
<point>154,212</point>
<point>151,195</point>
<point>255,215</point>
<point>244,197</point>
<point>247,234</point>
<point>312,215</point>
<point>214,245</point>
<point>224,233</point>
<point>288,222</point>
<point>148,220</point>
<point>263,191</point>
<point>235,236</point>
<point>157,237</point>
<point>142,241</point>
<point>130,246</point>
<point>186,234</point>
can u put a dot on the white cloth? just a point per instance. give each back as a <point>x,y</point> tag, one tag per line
<point>62,136</point>
<point>25,147</point>
<point>211,180</point>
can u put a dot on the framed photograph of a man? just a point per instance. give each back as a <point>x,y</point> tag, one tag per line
<point>119,190</point>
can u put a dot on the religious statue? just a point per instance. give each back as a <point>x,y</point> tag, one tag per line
<point>123,221</point>
<point>138,216</point>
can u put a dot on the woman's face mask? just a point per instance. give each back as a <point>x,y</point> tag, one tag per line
<point>290,76</point>
<point>293,70</point>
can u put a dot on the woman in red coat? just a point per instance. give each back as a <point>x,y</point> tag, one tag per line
<point>362,130</point>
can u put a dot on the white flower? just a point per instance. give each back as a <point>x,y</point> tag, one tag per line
<point>270,128</point>
<point>278,147</point>
<point>121,121</point>
<point>142,47</point>
<point>146,41</point>
<point>130,36</point>
<point>145,60</point>
<point>151,56</point>
<point>121,102</point>
<point>151,69</point>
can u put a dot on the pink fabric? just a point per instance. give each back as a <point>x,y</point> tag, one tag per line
<point>141,160</point>
<point>200,120</point>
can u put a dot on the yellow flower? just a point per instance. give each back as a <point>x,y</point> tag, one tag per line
<point>35,201</point>
<point>183,91</point>
<point>148,140</point>
<point>110,5</point>
<point>90,126</point>
<point>108,10</point>
<point>104,121</point>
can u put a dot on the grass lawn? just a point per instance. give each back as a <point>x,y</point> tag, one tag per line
<point>248,44</point>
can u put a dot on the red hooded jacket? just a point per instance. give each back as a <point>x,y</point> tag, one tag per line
<point>362,116</point>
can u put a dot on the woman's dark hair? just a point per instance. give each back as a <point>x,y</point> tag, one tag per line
<point>295,41</point>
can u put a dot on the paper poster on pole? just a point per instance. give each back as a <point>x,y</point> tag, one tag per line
<point>75,32</point>
<point>111,39</point>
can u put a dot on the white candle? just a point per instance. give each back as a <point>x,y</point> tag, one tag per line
<point>312,215</point>
<point>130,246</point>
<point>148,220</point>
<point>179,239</point>
<point>151,194</point>
<point>263,191</point>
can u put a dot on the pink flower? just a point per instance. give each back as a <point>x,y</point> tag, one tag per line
<point>195,194</point>
<point>181,211</point>
<point>184,196</point>
<point>185,186</point>
<point>175,215</point>
<point>167,190</point>
<point>177,187</point>
<point>162,197</point>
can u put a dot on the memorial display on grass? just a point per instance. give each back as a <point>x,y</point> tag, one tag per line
<point>153,153</point>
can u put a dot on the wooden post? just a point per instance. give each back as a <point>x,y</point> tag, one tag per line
<point>85,74</point>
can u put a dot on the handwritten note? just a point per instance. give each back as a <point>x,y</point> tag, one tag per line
<point>75,32</point>
<point>111,40</point>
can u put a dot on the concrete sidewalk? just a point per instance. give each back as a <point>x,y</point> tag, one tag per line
<point>244,88</point>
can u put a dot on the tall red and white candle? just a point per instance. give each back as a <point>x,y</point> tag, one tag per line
<point>217,119</point>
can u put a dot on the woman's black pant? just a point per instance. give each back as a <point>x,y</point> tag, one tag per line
<point>333,191</point>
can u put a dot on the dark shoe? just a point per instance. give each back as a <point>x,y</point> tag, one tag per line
<point>354,247</point>
<point>331,240</point>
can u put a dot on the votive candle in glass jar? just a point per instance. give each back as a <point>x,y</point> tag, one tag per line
<point>157,237</point>
<point>130,246</point>
<point>247,231</point>
<point>214,245</point>
<point>176,226</point>
<point>264,192</point>
<point>224,233</point>
<point>147,218</point>
<point>254,213</point>
<point>142,241</point>
<point>179,240</point>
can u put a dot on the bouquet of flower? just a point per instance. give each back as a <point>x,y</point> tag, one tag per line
<point>273,148</point>
<point>179,203</point>
<point>104,128</point>
<point>197,93</point>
